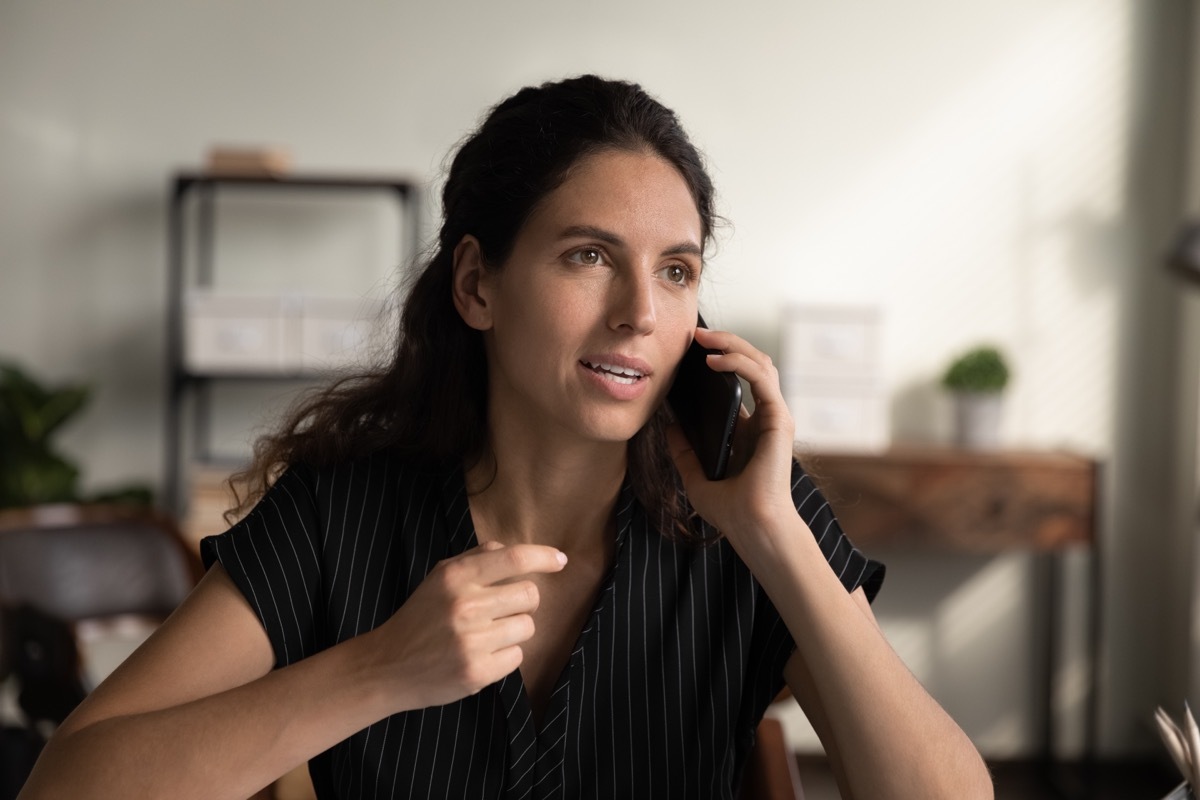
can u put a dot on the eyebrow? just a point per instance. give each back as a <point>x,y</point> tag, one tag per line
<point>608,237</point>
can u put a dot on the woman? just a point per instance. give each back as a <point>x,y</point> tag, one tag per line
<point>479,573</point>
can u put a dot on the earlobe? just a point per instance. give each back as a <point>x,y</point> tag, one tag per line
<point>470,284</point>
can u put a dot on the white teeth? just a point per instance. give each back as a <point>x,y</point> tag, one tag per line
<point>616,371</point>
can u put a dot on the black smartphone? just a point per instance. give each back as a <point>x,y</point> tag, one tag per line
<point>706,404</point>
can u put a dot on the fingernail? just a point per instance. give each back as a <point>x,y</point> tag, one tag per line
<point>562,558</point>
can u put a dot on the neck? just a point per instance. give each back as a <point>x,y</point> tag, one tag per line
<point>566,499</point>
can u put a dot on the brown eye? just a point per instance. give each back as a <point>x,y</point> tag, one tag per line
<point>676,274</point>
<point>589,256</point>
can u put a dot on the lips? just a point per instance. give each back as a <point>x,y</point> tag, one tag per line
<point>615,372</point>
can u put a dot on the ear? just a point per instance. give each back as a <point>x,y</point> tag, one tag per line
<point>471,284</point>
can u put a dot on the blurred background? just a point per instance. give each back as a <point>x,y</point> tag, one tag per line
<point>1010,172</point>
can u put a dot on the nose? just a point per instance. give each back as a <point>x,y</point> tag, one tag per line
<point>632,304</point>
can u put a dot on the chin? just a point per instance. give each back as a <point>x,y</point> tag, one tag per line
<point>616,431</point>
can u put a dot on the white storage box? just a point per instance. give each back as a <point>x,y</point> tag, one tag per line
<point>831,373</point>
<point>839,417</point>
<point>226,333</point>
<point>830,342</point>
<point>337,332</point>
<point>237,333</point>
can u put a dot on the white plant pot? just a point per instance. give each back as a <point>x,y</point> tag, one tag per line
<point>977,419</point>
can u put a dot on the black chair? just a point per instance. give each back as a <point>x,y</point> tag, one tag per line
<point>94,561</point>
<point>60,566</point>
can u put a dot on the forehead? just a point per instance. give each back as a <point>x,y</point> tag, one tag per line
<point>637,195</point>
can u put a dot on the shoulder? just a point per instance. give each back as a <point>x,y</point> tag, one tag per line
<point>318,499</point>
<point>382,471</point>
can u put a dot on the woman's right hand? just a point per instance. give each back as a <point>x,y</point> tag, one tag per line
<point>463,627</point>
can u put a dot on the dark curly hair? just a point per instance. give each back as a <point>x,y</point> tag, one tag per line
<point>429,403</point>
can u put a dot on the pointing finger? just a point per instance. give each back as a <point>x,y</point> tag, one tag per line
<point>507,562</point>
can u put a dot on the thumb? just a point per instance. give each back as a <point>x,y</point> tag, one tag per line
<point>482,547</point>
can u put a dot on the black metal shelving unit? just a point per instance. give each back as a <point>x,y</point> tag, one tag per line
<point>203,189</point>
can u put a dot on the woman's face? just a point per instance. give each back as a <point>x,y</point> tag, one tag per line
<point>596,305</point>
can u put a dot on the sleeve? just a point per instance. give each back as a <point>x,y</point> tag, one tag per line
<point>271,555</point>
<point>771,641</point>
<point>852,567</point>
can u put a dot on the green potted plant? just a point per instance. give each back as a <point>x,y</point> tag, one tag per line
<point>32,471</point>
<point>977,379</point>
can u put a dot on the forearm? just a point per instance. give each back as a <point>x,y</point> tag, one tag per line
<point>891,738</point>
<point>226,745</point>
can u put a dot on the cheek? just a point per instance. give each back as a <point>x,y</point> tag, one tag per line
<point>566,310</point>
<point>543,323</point>
<point>682,324</point>
<point>678,341</point>
<point>528,308</point>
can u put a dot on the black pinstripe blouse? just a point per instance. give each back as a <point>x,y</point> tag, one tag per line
<point>661,695</point>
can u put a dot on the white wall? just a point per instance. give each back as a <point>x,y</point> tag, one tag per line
<point>1184,619</point>
<point>987,170</point>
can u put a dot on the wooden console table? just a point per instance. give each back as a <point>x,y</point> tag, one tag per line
<point>961,500</point>
<point>948,500</point>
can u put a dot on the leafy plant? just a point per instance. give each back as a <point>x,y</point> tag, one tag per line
<point>981,369</point>
<point>31,470</point>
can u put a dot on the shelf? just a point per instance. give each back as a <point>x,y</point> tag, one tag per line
<point>188,180</point>
<point>185,381</point>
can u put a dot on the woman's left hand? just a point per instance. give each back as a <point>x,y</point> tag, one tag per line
<point>757,488</point>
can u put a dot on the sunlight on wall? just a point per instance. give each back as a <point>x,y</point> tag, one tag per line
<point>1002,216</point>
<point>999,217</point>
<point>975,627</point>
